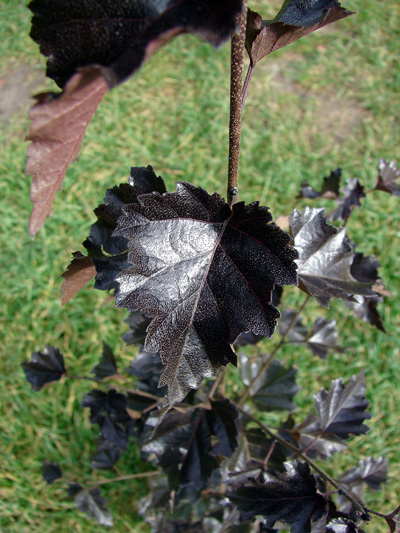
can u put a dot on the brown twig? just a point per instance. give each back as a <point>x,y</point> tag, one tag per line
<point>124,478</point>
<point>235,121</point>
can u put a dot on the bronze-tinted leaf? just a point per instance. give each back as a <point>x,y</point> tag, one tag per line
<point>79,272</point>
<point>56,132</point>
<point>296,19</point>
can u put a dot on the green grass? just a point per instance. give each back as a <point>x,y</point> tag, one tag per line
<point>329,100</point>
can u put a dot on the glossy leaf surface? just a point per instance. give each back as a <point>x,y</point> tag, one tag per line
<point>325,258</point>
<point>341,412</point>
<point>205,274</point>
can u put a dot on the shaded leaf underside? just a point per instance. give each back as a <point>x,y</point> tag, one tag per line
<point>289,25</point>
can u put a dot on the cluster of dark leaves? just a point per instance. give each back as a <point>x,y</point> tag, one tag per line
<point>349,196</point>
<point>216,469</point>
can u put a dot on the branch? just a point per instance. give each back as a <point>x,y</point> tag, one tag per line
<point>124,478</point>
<point>235,122</point>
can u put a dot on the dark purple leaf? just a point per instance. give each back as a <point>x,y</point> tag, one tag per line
<point>109,411</point>
<point>388,177</point>
<point>298,332</point>
<point>120,36</point>
<point>325,258</point>
<point>329,189</point>
<point>340,413</point>
<point>251,338</point>
<point>320,340</point>
<point>369,471</point>
<point>275,388</point>
<point>107,366</point>
<point>367,310</point>
<point>44,367</point>
<point>190,254</point>
<point>73,489</point>
<point>137,324</point>
<point>290,497</point>
<point>223,420</point>
<point>352,193</point>
<point>105,456</point>
<point>51,472</point>
<point>111,402</point>
<point>265,450</point>
<point>296,19</point>
<point>365,270</point>
<point>91,503</point>
<point>188,445</point>
<point>247,338</point>
<point>323,338</point>
<point>147,368</point>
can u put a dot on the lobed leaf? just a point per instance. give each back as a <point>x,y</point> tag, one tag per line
<point>329,188</point>
<point>187,445</point>
<point>351,196</point>
<point>290,497</point>
<point>109,411</point>
<point>369,471</point>
<point>44,367</point>
<point>325,258</point>
<point>205,274</point>
<point>137,324</point>
<point>388,177</point>
<point>322,339</point>
<point>51,472</point>
<point>107,366</point>
<point>340,413</point>
<point>365,270</point>
<point>275,388</point>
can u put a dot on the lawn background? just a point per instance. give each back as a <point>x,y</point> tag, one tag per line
<point>329,100</point>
